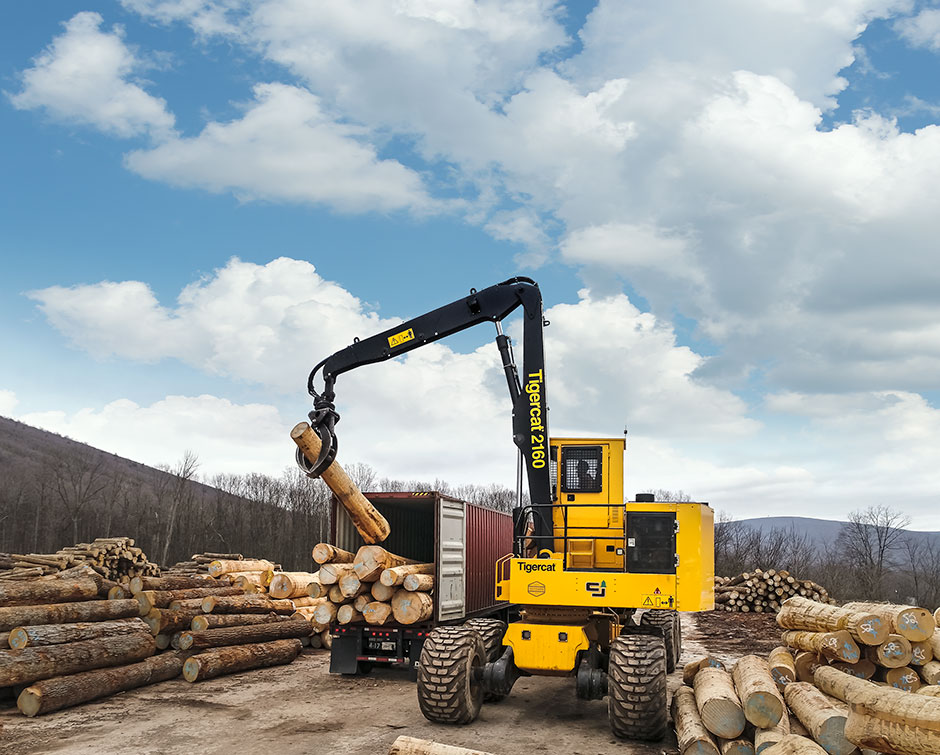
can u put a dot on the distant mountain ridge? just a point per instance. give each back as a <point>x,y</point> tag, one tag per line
<point>820,531</point>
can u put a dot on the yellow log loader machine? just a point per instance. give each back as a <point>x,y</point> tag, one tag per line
<point>585,563</point>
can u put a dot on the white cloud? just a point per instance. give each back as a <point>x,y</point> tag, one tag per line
<point>8,403</point>
<point>206,17</point>
<point>922,29</point>
<point>262,323</point>
<point>227,437</point>
<point>286,148</point>
<point>85,76</point>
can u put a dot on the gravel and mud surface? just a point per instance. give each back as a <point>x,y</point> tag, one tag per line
<point>301,708</point>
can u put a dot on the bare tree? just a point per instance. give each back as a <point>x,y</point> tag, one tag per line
<point>180,492</point>
<point>79,480</point>
<point>869,539</point>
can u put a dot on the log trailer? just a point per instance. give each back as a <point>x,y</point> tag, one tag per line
<point>583,561</point>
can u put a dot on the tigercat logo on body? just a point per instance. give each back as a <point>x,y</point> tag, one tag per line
<point>529,568</point>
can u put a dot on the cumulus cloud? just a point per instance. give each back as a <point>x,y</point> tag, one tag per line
<point>922,29</point>
<point>86,76</point>
<point>206,17</point>
<point>253,437</point>
<point>286,148</point>
<point>261,323</point>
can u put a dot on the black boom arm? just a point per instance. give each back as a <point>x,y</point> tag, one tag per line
<point>529,412</point>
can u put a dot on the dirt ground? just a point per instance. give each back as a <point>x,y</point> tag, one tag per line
<point>301,708</point>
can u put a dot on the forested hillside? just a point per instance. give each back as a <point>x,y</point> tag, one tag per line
<point>55,491</point>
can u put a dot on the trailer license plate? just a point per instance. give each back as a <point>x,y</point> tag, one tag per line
<point>388,646</point>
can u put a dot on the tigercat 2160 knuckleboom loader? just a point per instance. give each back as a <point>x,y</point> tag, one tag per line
<point>584,562</point>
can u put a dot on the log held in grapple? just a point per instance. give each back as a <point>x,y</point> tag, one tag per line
<point>373,527</point>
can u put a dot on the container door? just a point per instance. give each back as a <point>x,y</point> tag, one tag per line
<point>451,561</point>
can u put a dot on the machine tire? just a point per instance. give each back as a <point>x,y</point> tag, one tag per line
<point>678,637</point>
<point>636,687</point>
<point>665,620</point>
<point>448,693</point>
<point>491,631</point>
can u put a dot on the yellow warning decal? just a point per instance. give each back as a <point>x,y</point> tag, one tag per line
<point>658,600</point>
<point>399,338</point>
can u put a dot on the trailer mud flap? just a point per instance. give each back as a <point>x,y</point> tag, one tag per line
<point>344,654</point>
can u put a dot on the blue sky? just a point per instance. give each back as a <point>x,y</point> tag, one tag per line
<point>731,215</point>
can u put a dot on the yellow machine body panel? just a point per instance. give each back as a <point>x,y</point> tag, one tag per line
<point>588,486</point>
<point>546,649</point>
<point>685,582</point>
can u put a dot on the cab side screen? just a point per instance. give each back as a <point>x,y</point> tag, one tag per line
<point>581,469</point>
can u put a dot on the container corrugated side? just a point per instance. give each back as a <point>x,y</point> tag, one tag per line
<point>488,538</point>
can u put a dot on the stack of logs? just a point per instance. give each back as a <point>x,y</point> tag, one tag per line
<point>113,558</point>
<point>199,564</point>
<point>763,591</point>
<point>890,644</point>
<point>371,586</point>
<point>812,702</point>
<point>77,637</point>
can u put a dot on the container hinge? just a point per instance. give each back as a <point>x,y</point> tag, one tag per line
<point>677,526</point>
<point>677,560</point>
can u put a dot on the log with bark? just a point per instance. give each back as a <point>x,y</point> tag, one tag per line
<point>377,613</point>
<point>290,584</point>
<point>864,669</point>
<point>150,599</point>
<point>893,653</point>
<point>325,613</point>
<point>38,592</point>
<point>244,634</point>
<point>692,736</point>
<point>793,744</point>
<point>330,574</point>
<point>717,702</point>
<point>809,615</point>
<point>372,560</point>
<point>764,738</point>
<point>806,664</point>
<point>395,576</point>
<point>411,746</point>
<point>166,621</point>
<point>347,614</point>
<point>419,582</point>
<point>326,638</point>
<point>324,553</point>
<point>212,621</point>
<point>757,692</point>
<point>229,660</point>
<point>740,746</point>
<point>65,691</point>
<point>930,672</point>
<point>336,595</point>
<point>371,525</point>
<point>64,613</point>
<point>383,593</point>
<point>782,669</point>
<point>692,668</point>
<point>837,645</point>
<point>921,652</point>
<point>224,566</point>
<point>885,719</point>
<point>246,604</point>
<point>56,634</point>
<point>821,715</point>
<point>31,664</point>
<point>139,584</point>
<point>903,678</point>
<point>350,586</point>
<point>412,607</point>
<point>911,622</point>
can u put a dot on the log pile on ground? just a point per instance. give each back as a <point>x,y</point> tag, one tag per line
<point>827,690</point>
<point>763,591</point>
<point>77,636</point>
<point>113,558</point>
